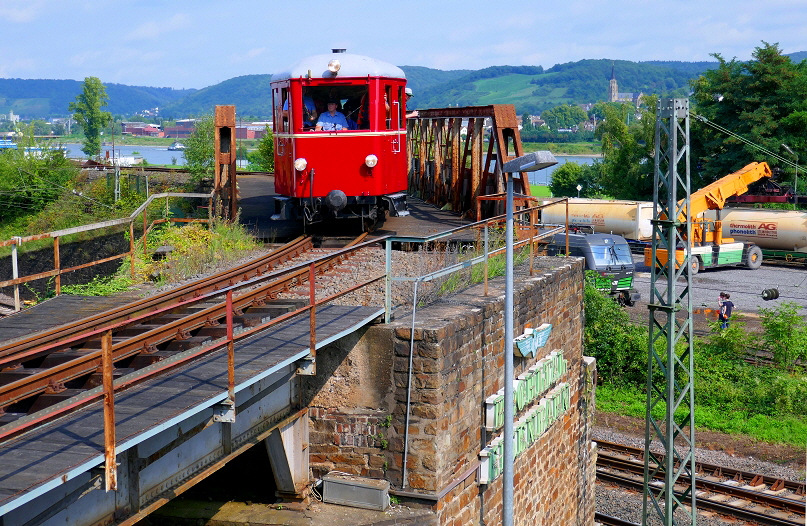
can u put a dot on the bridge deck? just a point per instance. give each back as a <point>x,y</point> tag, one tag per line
<point>57,311</point>
<point>52,454</point>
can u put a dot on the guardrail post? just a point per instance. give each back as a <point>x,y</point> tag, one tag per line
<point>131,247</point>
<point>15,272</point>
<point>313,313</point>
<point>485,264</point>
<point>230,350</point>
<point>388,283</point>
<point>145,233</point>
<point>57,265</point>
<point>110,466</point>
<point>533,218</point>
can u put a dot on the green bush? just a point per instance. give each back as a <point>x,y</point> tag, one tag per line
<point>785,333</point>
<point>619,346</point>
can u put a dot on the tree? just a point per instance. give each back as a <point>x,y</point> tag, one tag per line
<point>763,100</point>
<point>570,174</point>
<point>628,149</point>
<point>200,149</point>
<point>87,111</point>
<point>264,156</point>
<point>526,123</point>
<point>564,117</point>
<point>29,182</point>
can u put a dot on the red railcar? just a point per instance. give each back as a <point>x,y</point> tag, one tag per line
<point>327,167</point>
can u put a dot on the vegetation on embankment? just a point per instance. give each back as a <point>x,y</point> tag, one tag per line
<point>196,248</point>
<point>764,402</point>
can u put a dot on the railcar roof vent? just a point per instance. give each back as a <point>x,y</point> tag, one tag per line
<point>338,50</point>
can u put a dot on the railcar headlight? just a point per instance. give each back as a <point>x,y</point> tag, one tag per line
<point>371,160</point>
<point>334,66</point>
<point>300,164</point>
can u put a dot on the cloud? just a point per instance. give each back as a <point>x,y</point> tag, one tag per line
<point>152,30</point>
<point>16,68</point>
<point>21,14</point>
<point>248,55</point>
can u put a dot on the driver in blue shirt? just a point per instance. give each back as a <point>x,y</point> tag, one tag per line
<point>331,120</point>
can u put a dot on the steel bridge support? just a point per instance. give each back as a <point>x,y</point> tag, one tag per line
<point>670,361</point>
<point>448,161</point>
<point>225,182</point>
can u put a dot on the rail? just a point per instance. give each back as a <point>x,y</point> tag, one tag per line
<point>215,304</point>
<point>56,235</point>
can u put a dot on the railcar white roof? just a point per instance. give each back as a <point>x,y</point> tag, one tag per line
<point>352,66</point>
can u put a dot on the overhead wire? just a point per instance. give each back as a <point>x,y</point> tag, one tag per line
<point>746,141</point>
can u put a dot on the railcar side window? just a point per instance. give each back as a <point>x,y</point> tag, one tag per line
<point>387,109</point>
<point>401,104</point>
<point>281,117</point>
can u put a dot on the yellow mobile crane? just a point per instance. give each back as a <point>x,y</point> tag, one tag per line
<point>709,247</point>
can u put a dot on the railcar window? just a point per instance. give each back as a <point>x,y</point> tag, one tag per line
<point>352,101</point>
<point>387,103</point>
<point>401,103</point>
<point>281,118</point>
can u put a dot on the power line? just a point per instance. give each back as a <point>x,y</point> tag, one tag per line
<point>746,141</point>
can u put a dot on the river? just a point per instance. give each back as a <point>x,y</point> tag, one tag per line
<point>544,177</point>
<point>161,155</point>
<point>152,154</point>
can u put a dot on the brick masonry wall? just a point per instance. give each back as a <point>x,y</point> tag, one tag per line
<point>458,362</point>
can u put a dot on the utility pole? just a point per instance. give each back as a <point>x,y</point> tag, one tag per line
<point>670,376</point>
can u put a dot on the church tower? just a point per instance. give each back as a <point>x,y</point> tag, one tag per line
<point>612,87</point>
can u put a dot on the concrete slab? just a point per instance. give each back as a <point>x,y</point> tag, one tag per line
<point>182,512</point>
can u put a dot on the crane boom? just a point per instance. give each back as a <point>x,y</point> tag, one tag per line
<point>714,196</point>
<point>708,245</point>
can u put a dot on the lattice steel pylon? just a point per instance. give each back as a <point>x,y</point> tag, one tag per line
<point>670,363</point>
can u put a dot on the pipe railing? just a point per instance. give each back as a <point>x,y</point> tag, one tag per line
<point>528,232</point>
<point>307,272</point>
<point>58,271</point>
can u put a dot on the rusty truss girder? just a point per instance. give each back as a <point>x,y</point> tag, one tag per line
<point>447,167</point>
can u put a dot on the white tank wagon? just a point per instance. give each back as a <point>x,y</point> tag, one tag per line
<point>629,219</point>
<point>777,230</point>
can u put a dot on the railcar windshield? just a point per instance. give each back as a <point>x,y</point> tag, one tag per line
<point>351,101</point>
<point>612,254</point>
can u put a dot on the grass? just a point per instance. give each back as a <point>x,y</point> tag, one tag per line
<point>539,190</point>
<point>564,148</point>
<point>788,429</point>
<point>196,249</point>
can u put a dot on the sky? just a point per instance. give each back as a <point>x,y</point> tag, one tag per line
<point>199,43</point>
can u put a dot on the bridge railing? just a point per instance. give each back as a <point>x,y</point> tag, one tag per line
<point>220,306</point>
<point>437,264</point>
<point>58,271</point>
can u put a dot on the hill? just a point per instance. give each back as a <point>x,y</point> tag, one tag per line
<point>44,98</point>
<point>251,95</point>
<point>531,89</point>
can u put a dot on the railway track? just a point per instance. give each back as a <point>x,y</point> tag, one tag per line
<point>48,373</point>
<point>727,491</point>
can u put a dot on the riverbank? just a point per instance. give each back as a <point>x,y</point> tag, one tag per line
<point>129,140</point>
<point>566,149</point>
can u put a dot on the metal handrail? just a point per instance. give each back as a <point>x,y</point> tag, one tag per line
<point>57,271</point>
<point>300,273</point>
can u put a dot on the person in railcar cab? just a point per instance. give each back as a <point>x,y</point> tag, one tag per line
<point>331,120</point>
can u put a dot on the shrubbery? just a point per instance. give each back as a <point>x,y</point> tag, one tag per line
<point>730,393</point>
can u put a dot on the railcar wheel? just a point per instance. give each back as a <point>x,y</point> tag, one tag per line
<point>753,258</point>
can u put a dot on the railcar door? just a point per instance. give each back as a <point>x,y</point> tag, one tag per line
<point>395,128</point>
<point>284,151</point>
